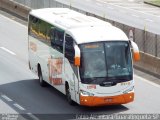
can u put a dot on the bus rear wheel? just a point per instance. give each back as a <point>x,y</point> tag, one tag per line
<point>41,81</point>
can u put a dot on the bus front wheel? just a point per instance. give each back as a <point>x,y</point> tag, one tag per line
<point>68,95</point>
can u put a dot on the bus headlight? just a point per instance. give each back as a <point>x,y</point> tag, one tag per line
<point>129,90</point>
<point>85,93</point>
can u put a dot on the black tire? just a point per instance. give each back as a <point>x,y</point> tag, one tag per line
<point>68,95</point>
<point>41,81</point>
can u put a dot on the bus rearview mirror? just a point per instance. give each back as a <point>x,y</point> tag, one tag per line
<point>136,56</point>
<point>77,56</point>
<point>77,61</point>
<point>136,53</point>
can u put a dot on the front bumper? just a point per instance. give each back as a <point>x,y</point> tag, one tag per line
<point>109,100</point>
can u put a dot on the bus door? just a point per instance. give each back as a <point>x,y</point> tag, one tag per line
<point>70,70</point>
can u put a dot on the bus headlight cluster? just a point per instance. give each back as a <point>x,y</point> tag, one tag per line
<point>85,93</point>
<point>129,90</point>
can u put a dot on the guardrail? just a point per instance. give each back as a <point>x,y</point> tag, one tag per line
<point>15,8</point>
<point>149,43</point>
<point>149,64</point>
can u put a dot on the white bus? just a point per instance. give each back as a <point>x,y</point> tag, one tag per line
<point>87,59</point>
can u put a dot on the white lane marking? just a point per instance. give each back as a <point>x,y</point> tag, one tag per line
<point>6,98</point>
<point>147,81</point>
<point>32,116</point>
<point>110,8</point>
<point>104,2</point>
<point>149,20</point>
<point>122,11</point>
<point>135,15</point>
<point>98,1</point>
<point>99,4</point>
<point>18,106</point>
<point>11,19</point>
<point>5,49</point>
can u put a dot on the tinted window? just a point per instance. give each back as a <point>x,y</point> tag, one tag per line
<point>33,26</point>
<point>39,29</point>
<point>44,29</point>
<point>69,48</point>
<point>57,38</point>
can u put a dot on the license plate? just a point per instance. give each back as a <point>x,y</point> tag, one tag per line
<point>108,99</point>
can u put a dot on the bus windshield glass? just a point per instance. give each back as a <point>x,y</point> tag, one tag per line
<point>105,61</point>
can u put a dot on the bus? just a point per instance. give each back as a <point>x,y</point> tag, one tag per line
<point>85,58</point>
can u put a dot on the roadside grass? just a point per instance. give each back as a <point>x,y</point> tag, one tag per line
<point>153,2</point>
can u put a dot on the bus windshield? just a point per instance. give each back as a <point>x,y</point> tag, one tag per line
<point>105,61</point>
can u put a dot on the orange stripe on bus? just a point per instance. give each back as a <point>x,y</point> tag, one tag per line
<point>111,100</point>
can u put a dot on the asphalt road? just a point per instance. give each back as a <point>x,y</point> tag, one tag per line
<point>127,15</point>
<point>20,92</point>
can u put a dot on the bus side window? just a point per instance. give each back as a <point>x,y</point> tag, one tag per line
<point>30,24</point>
<point>57,38</point>
<point>69,48</point>
<point>34,26</point>
<point>44,32</point>
<point>51,35</point>
<point>48,32</point>
<point>41,33</point>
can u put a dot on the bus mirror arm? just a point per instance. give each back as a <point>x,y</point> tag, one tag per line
<point>136,53</point>
<point>77,56</point>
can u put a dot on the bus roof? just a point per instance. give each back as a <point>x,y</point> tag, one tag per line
<point>83,28</point>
